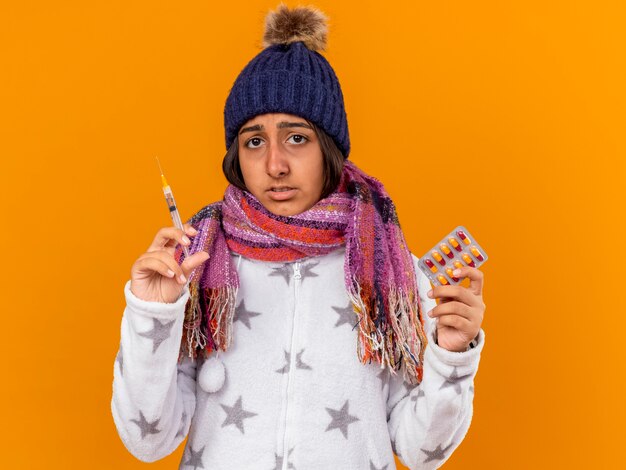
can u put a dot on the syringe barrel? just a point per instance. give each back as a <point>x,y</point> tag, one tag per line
<point>178,223</point>
<point>171,204</point>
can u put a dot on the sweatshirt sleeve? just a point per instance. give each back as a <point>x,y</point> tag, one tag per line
<point>428,422</point>
<point>153,395</point>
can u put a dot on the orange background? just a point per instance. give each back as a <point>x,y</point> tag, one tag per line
<point>505,116</point>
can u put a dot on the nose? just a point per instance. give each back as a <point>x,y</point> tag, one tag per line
<point>277,165</point>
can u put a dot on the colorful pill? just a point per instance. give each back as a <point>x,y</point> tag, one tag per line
<point>463,237</point>
<point>439,258</point>
<point>446,250</point>
<point>468,260</point>
<point>454,243</point>
<point>442,279</point>
<point>430,265</point>
<point>458,264</point>
<point>477,254</point>
<point>449,272</point>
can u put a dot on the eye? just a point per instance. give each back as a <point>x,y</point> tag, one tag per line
<point>253,143</point>
<point>297,139</point>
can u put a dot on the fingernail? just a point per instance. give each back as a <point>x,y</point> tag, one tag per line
<point>193,231</point>
<point>182,278</point>
<point>430,313</point>
<point>186,240</point>
<point>170,273</point>
<point>456,272</point>
<point>430,293</point>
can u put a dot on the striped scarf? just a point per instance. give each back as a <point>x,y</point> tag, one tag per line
<point>378,270</point>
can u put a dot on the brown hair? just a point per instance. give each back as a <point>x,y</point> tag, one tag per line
<point>333,162</point>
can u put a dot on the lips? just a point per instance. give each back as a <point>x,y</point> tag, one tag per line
<point>281,193</point>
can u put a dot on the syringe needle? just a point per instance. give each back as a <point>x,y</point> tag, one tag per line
<point>159,163</point>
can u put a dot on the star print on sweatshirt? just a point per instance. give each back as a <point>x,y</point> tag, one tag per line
<point>294,394</point>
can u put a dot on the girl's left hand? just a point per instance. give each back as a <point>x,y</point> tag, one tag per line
<point>460,313</point>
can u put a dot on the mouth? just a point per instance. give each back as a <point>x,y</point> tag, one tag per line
<point>281,193</point>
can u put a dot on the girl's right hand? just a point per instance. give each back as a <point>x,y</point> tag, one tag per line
<point>156,276</point>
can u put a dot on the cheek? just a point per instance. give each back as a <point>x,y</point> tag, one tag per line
<point>318,171</point>
<point>249,171</point>
<point>245,170</point>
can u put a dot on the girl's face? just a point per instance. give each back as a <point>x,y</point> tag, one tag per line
<point>281,162</point>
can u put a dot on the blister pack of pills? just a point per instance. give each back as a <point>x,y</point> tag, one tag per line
<point>455,250</point>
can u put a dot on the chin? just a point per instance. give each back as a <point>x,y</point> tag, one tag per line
<point>286,209</point>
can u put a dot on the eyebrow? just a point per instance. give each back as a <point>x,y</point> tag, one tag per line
<point>280,125</point>
<point>257,127</point>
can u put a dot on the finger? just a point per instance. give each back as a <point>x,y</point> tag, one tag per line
<point>452,308</point>
<point>182,271</point>
<point>152,264</point>
<point>190,230</point>
<point>193,262</point>
<point>455,321</point>
<point>475,276</point>
<point>173,245</point>
<point>459,293</point>
<point>170,249</point>
<point>168,236</point>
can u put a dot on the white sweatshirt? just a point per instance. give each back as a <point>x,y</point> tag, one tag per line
<point>295,395</point>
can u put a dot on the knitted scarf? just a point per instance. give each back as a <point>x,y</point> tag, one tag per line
<point>378,270</point>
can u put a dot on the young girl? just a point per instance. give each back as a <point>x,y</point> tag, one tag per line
<point>298,334</point>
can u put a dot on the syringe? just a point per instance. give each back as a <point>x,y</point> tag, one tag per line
<point>171,204</point>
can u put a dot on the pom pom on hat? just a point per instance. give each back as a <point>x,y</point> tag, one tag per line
<point>212,375</point>
<point>302,24</point>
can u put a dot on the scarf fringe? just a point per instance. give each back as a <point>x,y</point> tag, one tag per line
<point>403,343</point>
<point>203,335</point>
